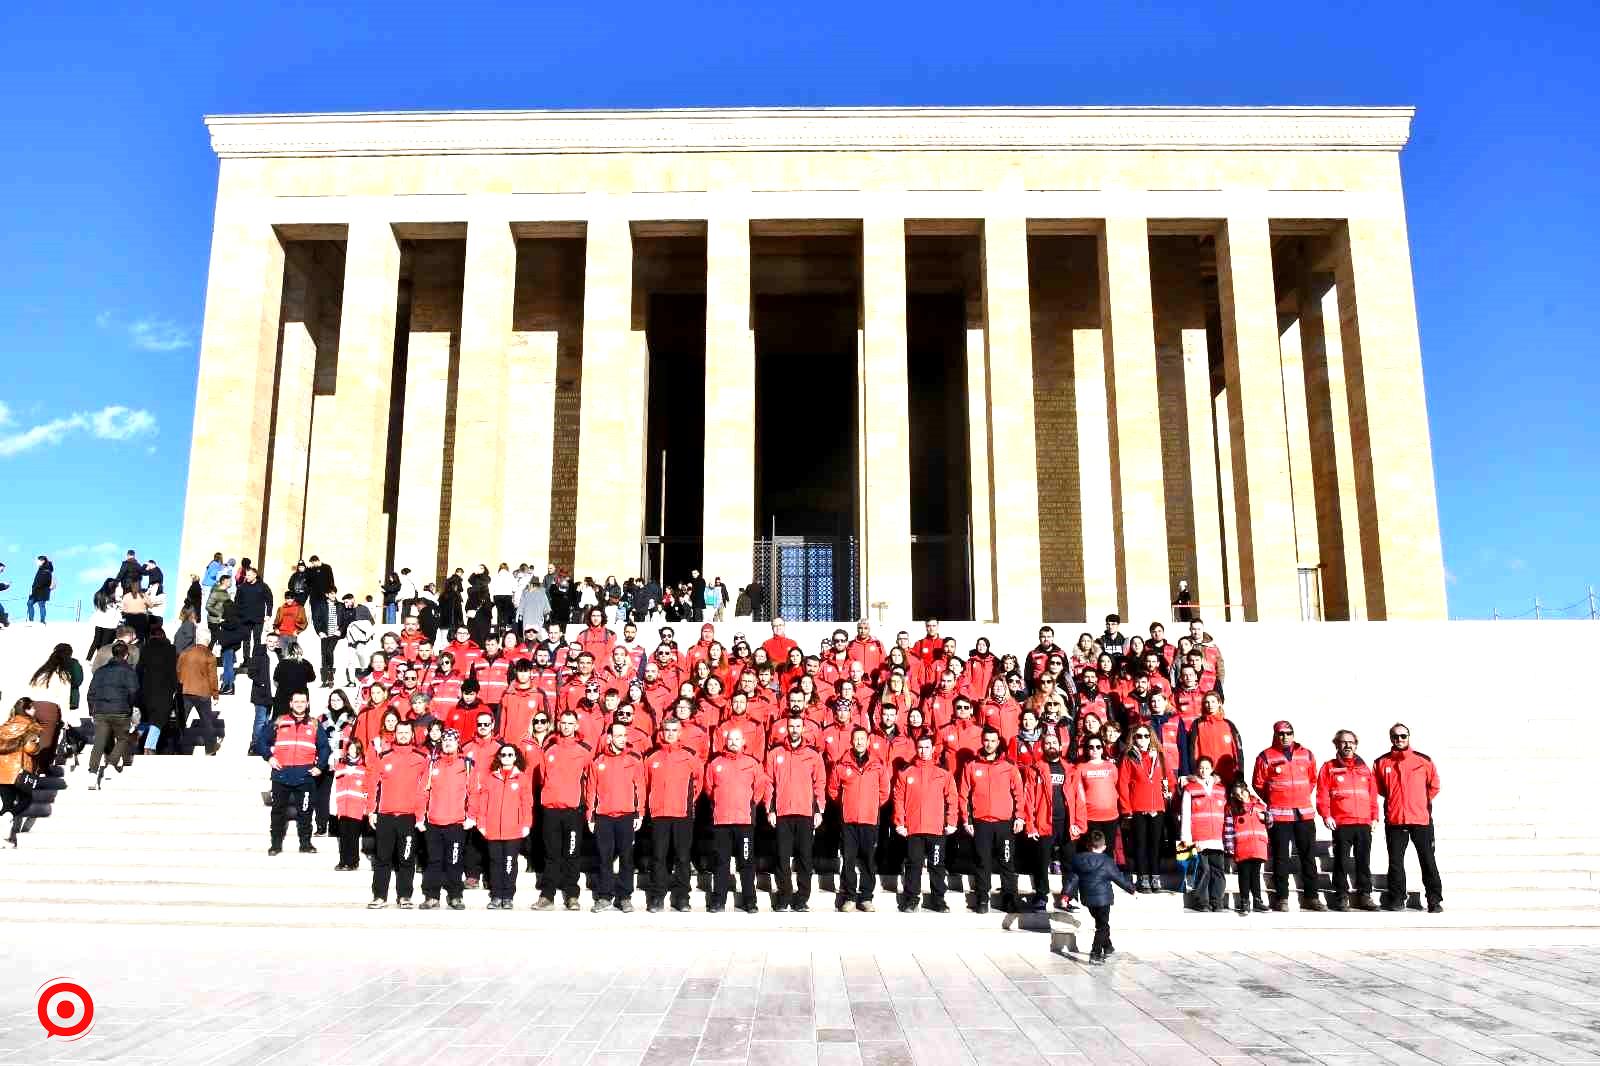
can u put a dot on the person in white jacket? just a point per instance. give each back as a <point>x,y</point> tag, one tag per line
<point>1205,801</point>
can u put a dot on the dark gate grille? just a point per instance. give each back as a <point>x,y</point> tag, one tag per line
<point>808,579</point>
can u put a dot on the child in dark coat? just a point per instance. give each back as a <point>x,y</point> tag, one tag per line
<point>1093,873</point>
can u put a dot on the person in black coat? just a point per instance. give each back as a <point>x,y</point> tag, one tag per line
<point>262,667</point>
<point>158,690</point>
<point>254,602</point>
<point>1093,874</point>
<point>292,674</point>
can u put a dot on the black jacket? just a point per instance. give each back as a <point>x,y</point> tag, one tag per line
<point>261,676</point>
<point>158,680</point>
<point>290,676</point>
<point>41,581</point>
<point>114,689</point>
<point>130,573</point>
<point>254,601</point>
<point>1093,873</point>
<point>319,579</point>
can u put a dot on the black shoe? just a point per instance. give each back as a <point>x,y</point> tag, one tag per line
<point>801,908</point>
<point>711,908</point>
<point>779,906</point>
<point>1259,904</point>
<point>457,903</point>
<point>1110,950</point>
<point>749,908</point>
<point>274,850</point>
<point>653,907</point>
<point>682,908</point>
<point>308,849</point>
<point>1364,903</point>
<point>906,906</point>
<point>1435,907</point>
<point>981,907</point>
<point>225,690</point>
<point>1392,905</point>
<point>1097,955</point>
<point>1214,905</point>
<point>429,905</point>
<point>1312,902</point>
<point>938,906</point>
<point>1280,904</point>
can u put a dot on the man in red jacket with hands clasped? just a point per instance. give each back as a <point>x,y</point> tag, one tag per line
<point>614,796</point>
<point>1347,803</point>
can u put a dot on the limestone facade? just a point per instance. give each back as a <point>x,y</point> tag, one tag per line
<point>1186,347</point>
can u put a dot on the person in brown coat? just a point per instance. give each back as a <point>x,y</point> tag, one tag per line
<point>21,738</point>
<point>197,677</point>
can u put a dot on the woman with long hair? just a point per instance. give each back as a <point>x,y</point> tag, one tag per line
<point>1145,788</point>
<point>21,739</point>
<point>502,807</point>
<point>349,803</point>
<point>107,616</point>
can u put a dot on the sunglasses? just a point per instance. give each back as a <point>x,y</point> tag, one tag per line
<point>1097,747</point>
<point>507,755</point>
<point>1399,736</point>
<point>541,721</point>
<point>1141,736</point>
<point>1285,732</point>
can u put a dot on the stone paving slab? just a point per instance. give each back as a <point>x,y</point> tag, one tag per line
<point>174,997</point>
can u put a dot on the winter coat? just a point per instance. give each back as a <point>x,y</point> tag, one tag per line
<point>261,676</point>
<point>197,673</point>
<point>254,601</point>
<point>291,676</point>
<point>183,639</point>
<point>113,690</point>
<point>158,681</point>
<point>21,738</point>
<point>215,603</point>
<point>534,606</point>
<point>44,579</point>
<point>1093,874</point>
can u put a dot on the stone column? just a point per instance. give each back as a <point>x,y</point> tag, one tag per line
<point>1298,431</point>
<point>233,397</point>
<point>1209,587</point>
<point>530,403</point>
<point>981,466</point>
<point>346,523</point>
<point>611,418</point>
<point>1344,590</point>
<point>729,520</point>
<point>422,442</point>
<point>482,433</point>
<point>885,445</point>
<point>1260,447</point>
<point>1008,329</point>
<point>1094,474</point>
<point>1400,546</point>
<point>1232,597</point>
<point>1139,507</point>
<point>291,431</point>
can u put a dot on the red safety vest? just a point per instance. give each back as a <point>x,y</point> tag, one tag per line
<point>295,743</point>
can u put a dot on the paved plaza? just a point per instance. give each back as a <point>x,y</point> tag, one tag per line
<point>219,996</point>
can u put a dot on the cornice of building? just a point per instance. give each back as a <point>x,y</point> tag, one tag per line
<point>844,129</point>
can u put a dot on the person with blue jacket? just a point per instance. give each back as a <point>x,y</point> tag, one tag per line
<point>1093,873</point>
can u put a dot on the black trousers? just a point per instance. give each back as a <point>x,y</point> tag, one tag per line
<point>206,722</point>
<point>1144,844</point>
<point>475,856</point>
<point>503,859</point>
<point>734,843</point>
<point>505,610</point>
<point>394,852</point>
<point>796,840</point>
<point>349,830</point>
<point>859,854</point>
<point>328,644</point>
<point>1249,874</point>
<point>322,801</point>
<point>996,851</point>
<point>613,837</point>
<point>1396,837</point>
<point>671,838</point>
<point>1102,927</point>
<point>1109,831</point>
<point>295,800</point>
<point>252,637</point>
<point>15,799</point>
<point>446,845</point>
<point>102,637</point>
<point>561,839</point>
<point>924,849</point>
<point>1352,859</point>
<point>110,735</point>
<point>1302,833</point>
<point>1211,880</point>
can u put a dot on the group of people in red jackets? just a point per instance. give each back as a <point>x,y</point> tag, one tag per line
<point>559,751</point>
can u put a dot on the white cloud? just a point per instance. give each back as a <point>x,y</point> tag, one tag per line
<point>98,572</point>
<point>104,319</point>
<point>75,550</point>
<point>114,422</point>
<point>160,335</point>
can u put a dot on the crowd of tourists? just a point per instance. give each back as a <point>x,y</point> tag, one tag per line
<point>493,735</point>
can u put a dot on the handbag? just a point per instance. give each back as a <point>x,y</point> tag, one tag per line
<point>26,779</point>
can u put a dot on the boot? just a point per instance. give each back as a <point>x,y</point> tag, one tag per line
<point>1280,903</point>
<point>1241,904</point>
<point>1312,902</point>
<point>1363,902</point>
<point>1338,903</point>
<point>1258,904</point>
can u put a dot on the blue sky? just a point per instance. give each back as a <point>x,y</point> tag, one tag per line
<point>108,185</point>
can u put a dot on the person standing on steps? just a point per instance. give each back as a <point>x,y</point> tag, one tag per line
<point>1347,802</point>
<point>451,779</point>
<point>44,583</point>
<point>1285,777</point>
<point>992,804</point>
<point>396,784</point>
<point>297,751</point>
<point>1408,781</point>
<point>197,677</point>
<point>561,795</point>
<point>674,777</point>
<point>795,802</point>
<point>502,807</point>
<point>614,796</point>
<point>735,783</point>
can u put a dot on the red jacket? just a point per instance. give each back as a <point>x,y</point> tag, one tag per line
<point>869,653</point>
<point>493,677</point>
<point>939,709</point>
<point>1286,782</point>
<point>481,753</point>
<point>1407,781</point>
<point>1204,811</point>
<point>1347,792</point>
<point>991,791</point>
<point>398,783</point>
<point>1216,738</point>
<point>350,791</point>
<point>451,782</point>
<point>1244,833</point>
<point>960,744</point>
<point>463,656</point>
<point>1098,782</point>
<point>755,737</point>
<point>673,779</point>
<point>1004,715</point>
<point>295,743</point>
<point>897,752</point>
<point>1139,782</point>
<point>597,641</point>
<point>861,789</point>
<point>798,781</point>
<point>517,708</point>
<point>925,799</point>
<point>503,805</point>
<point>561,784</point>
<point>735,784</point>
<point>614,785</point>
<point>1040,777</point>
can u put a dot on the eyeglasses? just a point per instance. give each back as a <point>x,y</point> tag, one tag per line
<point>541,721</point>
<point>485,725</point>
<point>507,755</point>
<point>1285,733</point>
<point>1399,736</point>
<point>1141,736</point>
<point>1096,747</point>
